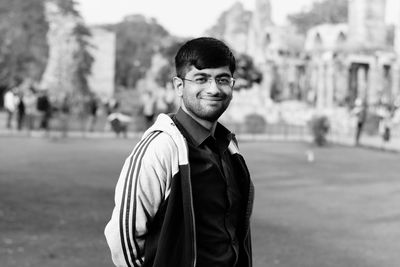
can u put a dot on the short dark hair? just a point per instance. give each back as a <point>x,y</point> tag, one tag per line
<point>202,53</point>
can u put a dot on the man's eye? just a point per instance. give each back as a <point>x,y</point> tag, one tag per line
<point>223,81</point>
<point>201,80</point>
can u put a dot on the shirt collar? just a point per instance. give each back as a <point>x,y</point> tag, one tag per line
<point>198,133</point>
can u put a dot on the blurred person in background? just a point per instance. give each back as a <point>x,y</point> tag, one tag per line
<point>149,107</point>
<point>20,110</point>
<point>64,115</point>
<point>360,112</point>
<point>111,105</point>
<point>93,109</point>
<point>184,196</point>
<point>10,104</point>
<point>83,112</point>
<point>44,108</point>
<point>119,122</point>
<point>385,124</point>
<point>30,100</point>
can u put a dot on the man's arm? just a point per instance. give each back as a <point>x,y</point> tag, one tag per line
<point>143,184</point>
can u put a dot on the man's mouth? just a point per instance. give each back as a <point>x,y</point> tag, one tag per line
<point>213,98</point>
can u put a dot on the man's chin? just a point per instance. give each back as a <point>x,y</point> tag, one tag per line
<point>212,116</point>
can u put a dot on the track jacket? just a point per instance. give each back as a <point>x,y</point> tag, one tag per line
<point>153,222</point>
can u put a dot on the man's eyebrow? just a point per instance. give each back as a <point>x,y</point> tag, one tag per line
<point>225,74</point>
<point>202,74</point>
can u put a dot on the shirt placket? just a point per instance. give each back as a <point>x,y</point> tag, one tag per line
<point>222,154</point>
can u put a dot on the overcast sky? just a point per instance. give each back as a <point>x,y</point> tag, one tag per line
<point>190,17</point>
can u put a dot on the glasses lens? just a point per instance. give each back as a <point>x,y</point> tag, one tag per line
<point>221,82</point>
<point>225,82</point>
<point>201,80</point>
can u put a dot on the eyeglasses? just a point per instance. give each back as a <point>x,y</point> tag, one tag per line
<point>221,82</point>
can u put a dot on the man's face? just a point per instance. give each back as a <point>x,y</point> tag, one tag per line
<point>205,101</point>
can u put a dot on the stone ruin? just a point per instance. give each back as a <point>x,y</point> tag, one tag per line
<point>58,77</point>
<point>327,71</point>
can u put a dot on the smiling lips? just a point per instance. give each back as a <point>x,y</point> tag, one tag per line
<point>212,98</point>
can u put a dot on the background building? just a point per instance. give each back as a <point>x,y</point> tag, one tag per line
<point>102,77</point>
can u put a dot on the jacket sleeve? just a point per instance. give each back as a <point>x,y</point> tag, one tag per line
<point>143,184</point>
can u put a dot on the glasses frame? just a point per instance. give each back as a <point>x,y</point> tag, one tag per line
<point>209,81</point>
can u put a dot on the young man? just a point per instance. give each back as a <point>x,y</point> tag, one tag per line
<point>184,195</point>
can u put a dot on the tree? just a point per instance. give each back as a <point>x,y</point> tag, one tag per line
<point>235,20</point>
<point>23,47</point>
<point>168,51</point>
<point>246,72</point>
<point>138,38</point>
<point>326,11</point>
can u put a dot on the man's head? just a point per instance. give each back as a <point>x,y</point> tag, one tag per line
<point>202,53</point>
<point>204,81</point>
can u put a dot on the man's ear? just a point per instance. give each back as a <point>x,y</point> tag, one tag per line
<point>178,86</point>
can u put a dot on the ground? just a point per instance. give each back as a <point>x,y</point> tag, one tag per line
<point>342,209</point>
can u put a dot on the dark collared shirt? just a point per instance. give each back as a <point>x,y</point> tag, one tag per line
<point>217,199</point>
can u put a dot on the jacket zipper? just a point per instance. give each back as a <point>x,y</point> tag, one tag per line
<point>250,199</point>
<point>193,231</point>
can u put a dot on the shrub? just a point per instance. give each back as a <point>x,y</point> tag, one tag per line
<point>255,123</point>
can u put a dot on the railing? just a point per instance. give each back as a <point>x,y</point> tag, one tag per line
<point>278,131</point>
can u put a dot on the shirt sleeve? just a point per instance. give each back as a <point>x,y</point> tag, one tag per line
<point>143,184</point>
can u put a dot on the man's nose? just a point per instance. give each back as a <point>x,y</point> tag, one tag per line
<point>213,87</point>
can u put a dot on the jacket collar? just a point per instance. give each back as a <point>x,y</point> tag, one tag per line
<point>198,134</point>
<point>165,124</point>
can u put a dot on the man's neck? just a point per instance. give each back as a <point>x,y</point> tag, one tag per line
<point>206,124</point>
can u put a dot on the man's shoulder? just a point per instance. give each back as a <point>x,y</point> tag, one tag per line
<point>157,137</point>
<point>157,142</point>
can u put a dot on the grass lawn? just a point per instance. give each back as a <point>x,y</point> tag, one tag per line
<point>340,210</point>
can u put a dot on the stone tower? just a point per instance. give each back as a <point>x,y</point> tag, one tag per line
<point>237,23</point>
<point>367,27</point>
<point>262,13</point>
<point>260,23</point>
<point>397,31</point>
<point>396,66</point>
<point>101,78</point>
<point>59,76</point>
